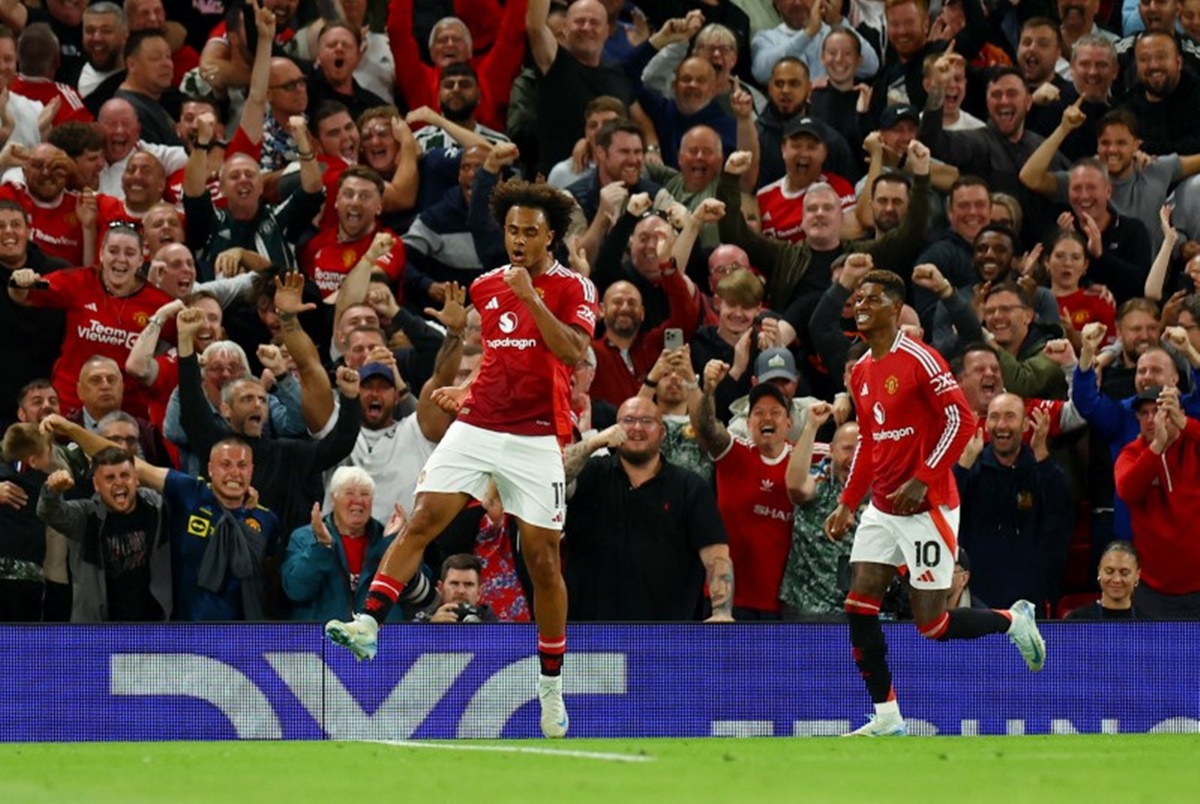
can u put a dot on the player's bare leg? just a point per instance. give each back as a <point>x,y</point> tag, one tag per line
<point>868,583</point>
<point>430,516</point>
<point>540,547</point>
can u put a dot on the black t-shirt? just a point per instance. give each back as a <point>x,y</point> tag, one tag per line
<point>633,553</point>
<point>125,547</point>
<point>1094,611</point>
<point>563,92</point>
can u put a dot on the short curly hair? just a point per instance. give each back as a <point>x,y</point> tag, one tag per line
<point>554,204</point>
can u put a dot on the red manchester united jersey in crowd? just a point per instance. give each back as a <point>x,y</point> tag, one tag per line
<point>326,260</point>
<point>98,323</point>
<point>783,211</point>
<point>522,386</point>
<point>754,504</point>
<point>54,228</point>
<point>913,421</point>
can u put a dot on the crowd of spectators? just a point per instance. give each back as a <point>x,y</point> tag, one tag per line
<point>238,240</point>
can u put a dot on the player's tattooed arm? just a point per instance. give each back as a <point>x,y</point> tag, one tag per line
<point>718,570</point>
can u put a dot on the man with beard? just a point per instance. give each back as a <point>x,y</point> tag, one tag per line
<point>218,514</point>
<point>458,100</point>
<point>1015,520</point>
<point>643,536</point>
<point>450,43</point>
<point>1166,99</point>
<point>120,549</point>
<point>626,351</point>
<point>994,259</point>
<point>1038,53</point>
<point>104,35</point>
<point>968,210</point>
<point>1152,17</point>
<point>393,452</point>
<point>788,91</point>
<point>996,152</point>
<point>620,160</point>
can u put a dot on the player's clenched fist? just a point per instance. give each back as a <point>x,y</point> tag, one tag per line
<point>518,279</point>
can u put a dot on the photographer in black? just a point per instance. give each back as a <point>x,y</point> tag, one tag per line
<point>458,594</point>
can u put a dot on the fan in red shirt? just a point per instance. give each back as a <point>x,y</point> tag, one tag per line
<point>913,424</point>
<point>1067,262</point>
<point>782,202</point>
<point>537,319</point>
<point>752,493</point>
<point>330,255</point>
<point>106,309</point>
<point>54,225</point>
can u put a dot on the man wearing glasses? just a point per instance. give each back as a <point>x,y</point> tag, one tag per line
<point>643,535</point>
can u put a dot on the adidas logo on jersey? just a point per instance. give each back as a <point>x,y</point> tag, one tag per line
<point>926,577</point>
<point>494,304</point>
<point>90,306</point>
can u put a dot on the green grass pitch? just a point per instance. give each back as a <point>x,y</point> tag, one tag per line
<point>963,770</point>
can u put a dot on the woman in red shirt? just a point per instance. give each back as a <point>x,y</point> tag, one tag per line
<point>106,309</point>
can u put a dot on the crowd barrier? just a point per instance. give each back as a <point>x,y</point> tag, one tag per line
<point>284,681</point>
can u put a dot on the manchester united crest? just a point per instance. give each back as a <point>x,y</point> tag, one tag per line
<point>891,384</point>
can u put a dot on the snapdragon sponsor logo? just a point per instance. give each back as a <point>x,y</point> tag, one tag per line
<point>893,435</point>
<point>98,333</point>
<point>512,343</point>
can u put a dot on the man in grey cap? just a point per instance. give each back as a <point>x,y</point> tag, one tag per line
<point>778,367</point>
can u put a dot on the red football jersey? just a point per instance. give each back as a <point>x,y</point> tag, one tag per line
<point>913,421</point>
<point>327,260</point>
<point>1084,307</point>
<point>45,90</point>
<point>54,228</point>
<point>783,211</point>
<point>522,387</point>
<point>98,323</point>
<point>754,504</point>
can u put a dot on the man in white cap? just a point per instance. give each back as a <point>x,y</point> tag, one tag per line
<point>777,366</point>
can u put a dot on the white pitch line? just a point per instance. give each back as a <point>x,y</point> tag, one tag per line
<point>518,749</point>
